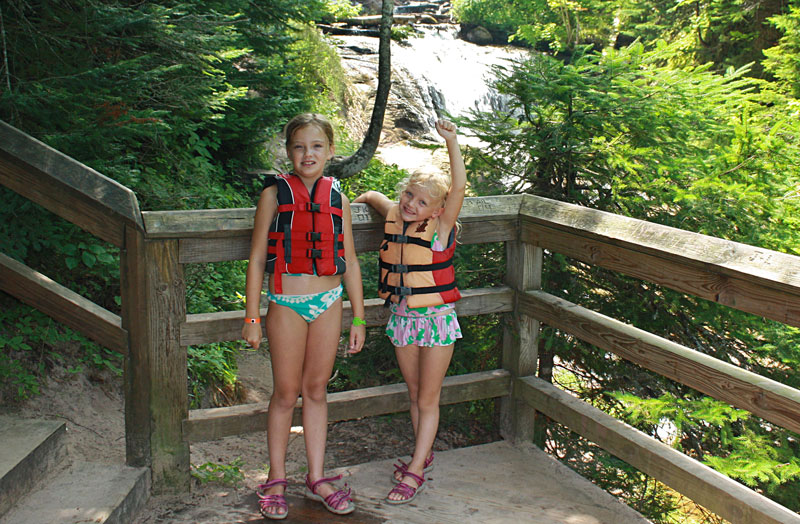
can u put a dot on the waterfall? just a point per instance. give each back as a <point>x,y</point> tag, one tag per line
<point>452,74</point>
<point>433,74</point>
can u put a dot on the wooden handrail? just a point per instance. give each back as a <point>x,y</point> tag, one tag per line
<point>71,190</point>
<point>766,398</point>
<point>743,277</point>
<point>726,497</point>
<point>62,304</point>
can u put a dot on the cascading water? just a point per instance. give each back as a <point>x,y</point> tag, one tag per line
<point>433,75</point>
<point>453,75</point>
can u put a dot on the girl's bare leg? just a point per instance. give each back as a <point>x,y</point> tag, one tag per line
<point>408,361</point>
<point>430,365</point>
<point>286,332</point>
<point>323,339</point>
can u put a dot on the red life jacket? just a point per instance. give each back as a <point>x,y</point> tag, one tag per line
<point>410,268</point>
<point>306,235</point>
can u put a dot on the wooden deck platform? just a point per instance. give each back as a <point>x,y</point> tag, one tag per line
<point>492,483</point>
<point>488,484</point>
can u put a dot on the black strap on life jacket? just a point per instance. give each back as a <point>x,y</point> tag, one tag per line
<point>404,291</point>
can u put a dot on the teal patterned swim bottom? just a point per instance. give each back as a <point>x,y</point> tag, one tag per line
<point>309,307</point>
<point>424,326</point>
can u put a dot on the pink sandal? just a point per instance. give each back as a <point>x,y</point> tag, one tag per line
<point>332,502</point>
<point>277,501</point>
<point>408,493</point>
<point>402,467</point>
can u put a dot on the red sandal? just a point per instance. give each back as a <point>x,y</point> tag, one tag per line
<point>408,492</point>
<point>332,502</point>
<point>402,467</point>
<point>277,501</point>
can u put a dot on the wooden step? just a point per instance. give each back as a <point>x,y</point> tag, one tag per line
<point>30,450</point>
<point>85,492</point>
<point>39,485</point>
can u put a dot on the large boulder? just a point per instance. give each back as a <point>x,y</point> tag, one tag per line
<point>478,35</point>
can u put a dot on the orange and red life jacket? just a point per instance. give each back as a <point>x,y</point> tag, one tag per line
<point>306,235</point>
<point>410,268</point>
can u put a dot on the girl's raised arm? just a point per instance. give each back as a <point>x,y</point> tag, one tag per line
<point>458,177</point>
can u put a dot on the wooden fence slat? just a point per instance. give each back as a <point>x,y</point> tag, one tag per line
<point>62,304</point>
<point>766,398</point>
<point>219,235</point>
<point>212,223</point>
<point>206,328</point>
<point>715,491</point>
<point>747,278</point>
<point>66,187</point>
<point>214,423</point>
<point>520,339</point>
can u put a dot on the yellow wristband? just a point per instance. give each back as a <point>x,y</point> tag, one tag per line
<point>358,321</point>
<point>256,320</point>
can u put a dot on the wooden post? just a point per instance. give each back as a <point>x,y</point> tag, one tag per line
<point>156,398</point>
<point>520,339</point>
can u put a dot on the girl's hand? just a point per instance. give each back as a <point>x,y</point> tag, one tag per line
<point>358,335</point>
<point>446,129</point>
<point>251,333</point>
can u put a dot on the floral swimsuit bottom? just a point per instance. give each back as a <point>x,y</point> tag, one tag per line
<point>423,326</point>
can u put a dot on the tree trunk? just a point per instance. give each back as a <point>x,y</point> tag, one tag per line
<point>359,160</point>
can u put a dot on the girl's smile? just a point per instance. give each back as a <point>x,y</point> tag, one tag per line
<point>417,205</point>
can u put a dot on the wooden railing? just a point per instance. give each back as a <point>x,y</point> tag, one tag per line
<point>154,328</point>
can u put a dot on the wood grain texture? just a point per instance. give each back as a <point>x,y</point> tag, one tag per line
<point>206,328</point>
<point>211,424</point>
<point>520,339</point>
<point>66,187</point>
<point>224,234</point>
<point>62,304</point>
<point>761,396</point>
<point>715,491</point>
<point>747,278</point>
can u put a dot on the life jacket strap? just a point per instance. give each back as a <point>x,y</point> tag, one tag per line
<point>405,239</point>
<point>404,291</point>
<point>312,207</point>
<point>407,268</point>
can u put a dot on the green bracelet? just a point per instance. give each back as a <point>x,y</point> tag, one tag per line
<point>358,321</point>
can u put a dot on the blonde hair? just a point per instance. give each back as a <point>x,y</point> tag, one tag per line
<point>436,184</point>
<point>308,119</point>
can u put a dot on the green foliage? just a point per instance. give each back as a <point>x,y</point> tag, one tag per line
<point>627,132</point>
<point>319,71</point>
<point>223,474</point>
<point>31,344</point>
<point>783,60</point>
<point>212,370</point>
<point>334,10</point>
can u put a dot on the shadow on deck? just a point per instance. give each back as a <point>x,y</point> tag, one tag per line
<point>491,483</point>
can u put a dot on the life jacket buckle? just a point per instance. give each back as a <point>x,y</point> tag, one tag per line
<point>314,253</point>
<point>403,291</point>
<point>401,239</point>
<point>314,207</point>
<point>399,268</point>
<point>313,236</point>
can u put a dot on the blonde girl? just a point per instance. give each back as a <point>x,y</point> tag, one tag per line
<point>302,236</point>
<point>418,282</point>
